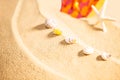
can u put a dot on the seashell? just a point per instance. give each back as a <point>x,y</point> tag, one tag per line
<point>88,50</point>
<point>105,56</point>
<point>70,40</point>
<point>50,23</point>
<point>57,32</point>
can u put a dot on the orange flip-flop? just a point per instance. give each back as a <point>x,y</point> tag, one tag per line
<point>80,8</point>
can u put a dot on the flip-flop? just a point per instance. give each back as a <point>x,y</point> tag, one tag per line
<point>80,8</point>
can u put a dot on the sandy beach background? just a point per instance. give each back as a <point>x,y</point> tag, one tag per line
<point>64,62</point>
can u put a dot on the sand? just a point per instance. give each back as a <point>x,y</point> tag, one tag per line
<point>30,52</point>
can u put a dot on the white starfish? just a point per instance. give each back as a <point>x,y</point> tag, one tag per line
<point>101,16</point>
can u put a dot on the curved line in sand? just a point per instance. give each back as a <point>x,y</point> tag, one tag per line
<point>24,48</point>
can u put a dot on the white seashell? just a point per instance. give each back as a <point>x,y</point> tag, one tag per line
<point>50,23</point>
<point>88,50</point>
<point>70,40</point>
<point>105,56</point>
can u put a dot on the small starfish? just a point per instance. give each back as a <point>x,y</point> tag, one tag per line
<point>101,17</point>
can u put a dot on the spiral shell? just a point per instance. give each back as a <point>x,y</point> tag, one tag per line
<point>70,40</point>
<point>50,23</point>
<point>105,56</point>
<point>57,31</point>
<point>88,50</point>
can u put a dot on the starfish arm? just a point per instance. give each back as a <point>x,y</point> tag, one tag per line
<point>103,26</point>
<point>95,10</point>
<point>102,12</point>
<point>108,18</point>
